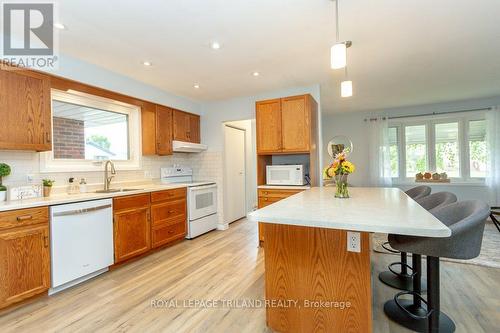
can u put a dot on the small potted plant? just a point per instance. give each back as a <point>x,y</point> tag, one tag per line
<point>47,186</point>
<point>4,171</point>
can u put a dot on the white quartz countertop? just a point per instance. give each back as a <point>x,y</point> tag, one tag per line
<point>284,187</point>
<point>57,199</point>
<point>369,209</point>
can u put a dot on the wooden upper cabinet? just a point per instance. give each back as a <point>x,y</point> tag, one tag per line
<point>148,129</point>
<point>286,125</point>
<point>295,124</point>
<point>186,126</point>
<point>268,121</point>
<point>163,130</point>
<point>25,110</point>
<point>156,123</point>
<point>194,128</point>
<point>181,125</point>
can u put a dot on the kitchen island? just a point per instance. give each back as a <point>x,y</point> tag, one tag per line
<point>313,282</point>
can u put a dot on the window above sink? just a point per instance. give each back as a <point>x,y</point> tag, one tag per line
<point>88,130</point>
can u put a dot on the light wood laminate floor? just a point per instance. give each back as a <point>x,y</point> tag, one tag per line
<point>224,265</point>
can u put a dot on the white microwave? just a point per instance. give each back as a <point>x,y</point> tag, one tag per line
<point>285,174</point>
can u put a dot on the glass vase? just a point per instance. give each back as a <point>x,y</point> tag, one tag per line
<point>342,190</point>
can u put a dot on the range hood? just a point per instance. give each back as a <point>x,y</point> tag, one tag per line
<point>188,147</point>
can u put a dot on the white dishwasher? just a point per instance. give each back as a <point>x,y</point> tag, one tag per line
<point>81,239</point>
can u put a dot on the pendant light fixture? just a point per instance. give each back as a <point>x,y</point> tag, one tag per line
<point>346,89</point>
<point>346,86</point>
<point>338,52</point>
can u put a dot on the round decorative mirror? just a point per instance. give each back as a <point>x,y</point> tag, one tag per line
<point>338,144</point>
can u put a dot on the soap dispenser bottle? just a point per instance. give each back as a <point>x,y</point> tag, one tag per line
<point>72,187</point>
<point>83,185</point>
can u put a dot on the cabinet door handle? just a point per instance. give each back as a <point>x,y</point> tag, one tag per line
<point>170,231</point>
<point>265,199</point>
<point>46,241</point>
<point>171,211</point>
<point>47,137</point>
<point>24,218</point>
<point>148,215</point>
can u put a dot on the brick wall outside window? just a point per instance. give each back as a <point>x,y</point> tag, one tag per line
<point>69,138</point>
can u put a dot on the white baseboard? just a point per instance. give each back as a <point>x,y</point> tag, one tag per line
<point>222,226</point>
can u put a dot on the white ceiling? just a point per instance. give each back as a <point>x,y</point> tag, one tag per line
<point>404,52</point>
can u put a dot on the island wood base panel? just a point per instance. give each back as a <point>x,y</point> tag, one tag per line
<point>312,264</point>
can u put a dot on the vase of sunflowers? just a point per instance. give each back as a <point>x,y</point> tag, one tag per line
<point>339,170</point>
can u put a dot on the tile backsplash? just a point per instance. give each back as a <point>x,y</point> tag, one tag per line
<point>206,166</point>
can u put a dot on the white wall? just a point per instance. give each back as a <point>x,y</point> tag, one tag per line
<point>353,126</point>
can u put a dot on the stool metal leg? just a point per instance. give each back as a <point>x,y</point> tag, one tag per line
<point>401,280</point>
<point>410,313</point>
<point>438,321</point>
<point>416,314</point>
<point>404,261</point>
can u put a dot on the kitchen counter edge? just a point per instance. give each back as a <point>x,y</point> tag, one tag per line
<point>60,199</point>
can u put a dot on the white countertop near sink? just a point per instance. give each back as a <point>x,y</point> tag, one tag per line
<point>57,199</point>
<point>369,209</point>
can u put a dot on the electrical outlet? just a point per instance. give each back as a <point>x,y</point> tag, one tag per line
<point>353,241</point>
<point>30,178</point>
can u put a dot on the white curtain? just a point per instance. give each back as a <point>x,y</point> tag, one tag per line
<point>493,140</point>
<point>379,157</point>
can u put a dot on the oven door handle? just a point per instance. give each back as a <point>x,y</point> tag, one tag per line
<point>205,187</point>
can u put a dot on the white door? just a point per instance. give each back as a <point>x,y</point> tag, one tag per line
<point>234,184</point>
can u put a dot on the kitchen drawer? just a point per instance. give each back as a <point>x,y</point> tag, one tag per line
<point>178,193</point>
<point>165,233</point>
<point>131,202</point>
<point>281,193</point>
<point>24,217</point>
<point>168,210</point>
<point>264,201</point>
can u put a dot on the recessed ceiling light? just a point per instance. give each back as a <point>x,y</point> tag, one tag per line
<point>147,63</point>
<point>59,26</point>
<point>215,45</point>
<point>196,86</point>
<point>255,73</point>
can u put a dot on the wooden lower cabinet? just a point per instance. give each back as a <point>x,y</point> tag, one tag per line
<point>169,216</point>
<point>147,221</point>
<point>24,254</point>
<point>270,196</point>
<point>168,232</point>
<point>132,226</point>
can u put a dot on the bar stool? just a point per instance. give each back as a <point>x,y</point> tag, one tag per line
<point>466,220</point>
<point>419,192</point>
<point>403,280</point>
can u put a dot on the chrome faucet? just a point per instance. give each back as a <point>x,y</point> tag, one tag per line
<point>107,178</point>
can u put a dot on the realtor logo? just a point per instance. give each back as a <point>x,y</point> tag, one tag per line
<point>28,35</point>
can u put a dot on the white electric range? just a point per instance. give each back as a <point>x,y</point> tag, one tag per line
<point>201,199</point>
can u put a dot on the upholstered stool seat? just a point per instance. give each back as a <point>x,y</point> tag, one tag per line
<point>404,280</point>
<point>466,221</point>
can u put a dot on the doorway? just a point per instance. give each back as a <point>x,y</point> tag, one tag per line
<point>234,173</point>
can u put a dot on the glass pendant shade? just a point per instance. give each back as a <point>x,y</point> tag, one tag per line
<point>346,88</point>
<point>338,56</point>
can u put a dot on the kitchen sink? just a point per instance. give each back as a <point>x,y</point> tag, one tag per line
<point>114,190</point>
